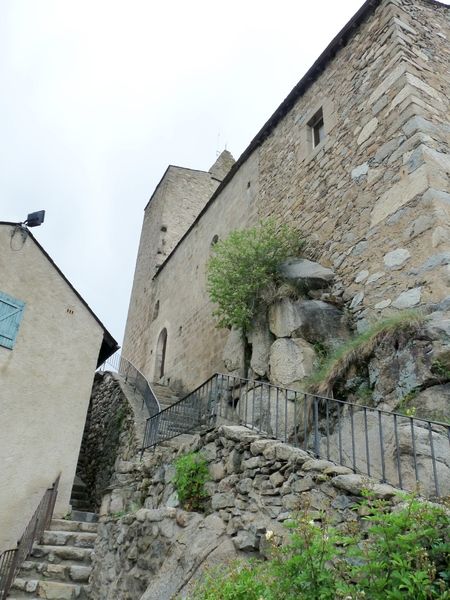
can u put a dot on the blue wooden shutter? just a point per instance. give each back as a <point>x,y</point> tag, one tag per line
<point>11,311</point>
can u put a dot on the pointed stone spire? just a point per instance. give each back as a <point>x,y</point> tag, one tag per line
<point>222,165</point>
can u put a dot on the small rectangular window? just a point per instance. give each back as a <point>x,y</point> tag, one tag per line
<point>11,312</point>
<point>316,125</point>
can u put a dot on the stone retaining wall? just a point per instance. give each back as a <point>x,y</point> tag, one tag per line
<point>108,433</point>
<point>148,543</point>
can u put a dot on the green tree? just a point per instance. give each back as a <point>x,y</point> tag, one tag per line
<point>244,265</point>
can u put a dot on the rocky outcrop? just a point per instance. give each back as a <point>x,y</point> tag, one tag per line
<point>260,339</point>
<point>291,361</point>
<point>314,320</point>
<point>234,353</point>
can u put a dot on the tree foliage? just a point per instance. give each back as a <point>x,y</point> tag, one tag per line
<point>246,263</point>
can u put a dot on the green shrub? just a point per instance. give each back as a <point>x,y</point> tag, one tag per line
<point>191,474</point>
<point>244,265</point>
<point>400,555</point>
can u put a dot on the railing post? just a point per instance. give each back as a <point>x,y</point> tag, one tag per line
<point>316,427</point>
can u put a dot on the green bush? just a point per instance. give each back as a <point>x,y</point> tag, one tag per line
<point>244,265</point>
<point>400,555</point>
<point>191,474</point>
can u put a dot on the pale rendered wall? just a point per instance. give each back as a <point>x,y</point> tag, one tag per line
<point>45,384</point>
<point>377,184</point>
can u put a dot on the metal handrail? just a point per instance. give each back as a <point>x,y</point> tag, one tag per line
<point>346,433</point>
<point>11,560</point>
<point>134,377</point>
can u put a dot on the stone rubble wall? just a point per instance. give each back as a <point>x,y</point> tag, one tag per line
<point>372,198</point>
<point>149,547</point>
<point>109,433</point>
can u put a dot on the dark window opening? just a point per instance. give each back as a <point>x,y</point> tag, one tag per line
<point>161,347</point>
<point>317,128</point>
<point>156,311</point>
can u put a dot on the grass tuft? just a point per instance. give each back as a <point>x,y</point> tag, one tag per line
<point>396,330</point>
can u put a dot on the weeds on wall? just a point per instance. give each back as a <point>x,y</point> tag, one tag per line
<point>191,474</point>
<point>398,555</point>
<point>357,351</point>
<point>244,265</point>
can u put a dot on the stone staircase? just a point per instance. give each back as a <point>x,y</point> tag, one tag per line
<point>174,423</point>
<point>166,396</point>
<point>59,567</point>
<point>79,498</point>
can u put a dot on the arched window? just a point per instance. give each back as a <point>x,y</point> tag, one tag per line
<point>161,354</point>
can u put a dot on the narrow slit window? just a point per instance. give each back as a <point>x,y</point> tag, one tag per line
<point>317,129</point>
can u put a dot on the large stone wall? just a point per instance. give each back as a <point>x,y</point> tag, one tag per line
<point>149,547</point>
<point>372,197</point>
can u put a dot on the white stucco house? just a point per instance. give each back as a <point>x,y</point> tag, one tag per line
<point>51,343</point>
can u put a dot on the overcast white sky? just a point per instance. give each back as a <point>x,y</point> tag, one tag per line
<point>99,96</point>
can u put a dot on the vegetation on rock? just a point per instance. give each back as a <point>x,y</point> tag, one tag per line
<point>397,329</point>
<point>244,265</point>
<point>191,474</point>
<point>399,555</point>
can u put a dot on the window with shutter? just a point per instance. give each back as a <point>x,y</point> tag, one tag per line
<point>11,311</point>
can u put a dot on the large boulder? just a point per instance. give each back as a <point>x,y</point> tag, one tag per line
<point>313,320</point>
<point>291,361</point>
<point>395,372</point>
<point>234,353</point>
<point>433,403</point>
<point>399,446</point>
<point>260,339</point>
<point>268,409</point>
<point>306,274</point>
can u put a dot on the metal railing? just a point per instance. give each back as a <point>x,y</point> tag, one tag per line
<point>403,450</point>
<point>11,560</point>
<point>136,379</point>
<point>194,410</point>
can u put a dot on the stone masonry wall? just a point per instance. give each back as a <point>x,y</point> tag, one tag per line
<point>154,549</point>
<point>372,197</point>
<point>108,433</point>
<point>176,202</point>
<point>375,195</point>
<point>194,344</point>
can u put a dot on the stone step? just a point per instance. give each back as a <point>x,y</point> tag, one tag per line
<point>56,590</point>
<point>56,572</point>
<point>84,516</point>
<point>79,539</point>
<point>62,554</point>
<point>79,494</point>
<point>83,505</point>
<point>65,525</point>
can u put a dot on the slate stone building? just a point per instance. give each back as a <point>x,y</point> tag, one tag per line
<point>357,156</point>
